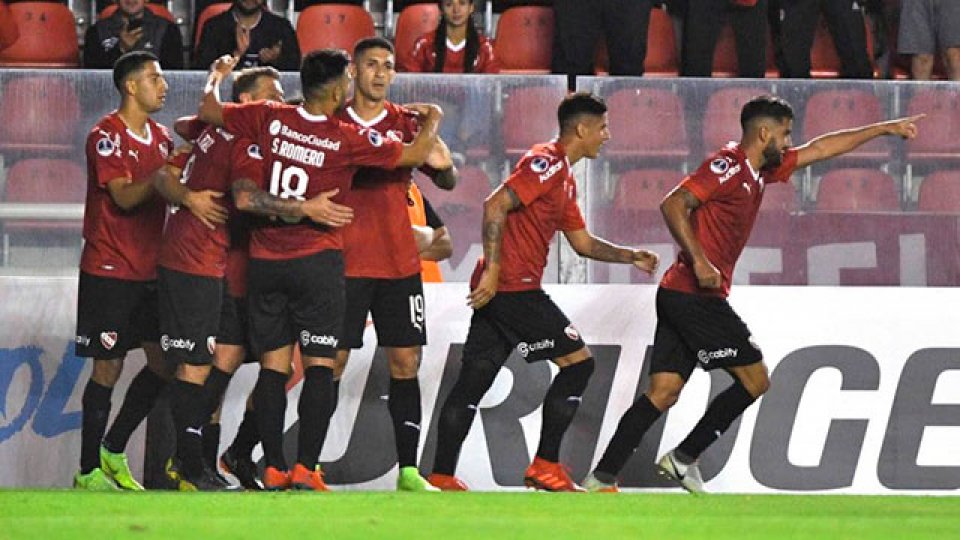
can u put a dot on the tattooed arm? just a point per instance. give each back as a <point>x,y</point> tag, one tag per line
<point>495,209</point>
<point>598,249</point>
<point>250,198</point>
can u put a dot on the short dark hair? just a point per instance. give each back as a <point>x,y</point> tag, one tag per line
<point>577,104</point>
<point>129,64</point>
<point>321,67</point>
<point>765,106</point>
<point>245,81</point>
<point>375,42</point>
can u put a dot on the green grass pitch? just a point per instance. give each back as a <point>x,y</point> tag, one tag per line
<point>55,514</point>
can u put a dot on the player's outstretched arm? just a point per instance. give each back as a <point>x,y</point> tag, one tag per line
<point>248,197</point>
<point>211,108</point>
<point>495,209</point>
<point>840,142</point>
<point>598,249</point>
<point>676,208</point>
<point>415,153</point>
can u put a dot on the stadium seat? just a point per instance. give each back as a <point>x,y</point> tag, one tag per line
<point>38,114</point>
<point>461,209</point>
<point>940,192</point>
<point>644,189</point>
<point>414,21</point>
<point>779,198</point>
<point>857,190</point>
<point>529,116</point>
<point>721,120</point>
<point>208,13</point>
<point>646,123</point>
<point>939,136</point>
<point>9,33</point>
<point>524,41</point>
<point>157,9</point>
<point>830,110</point>
<point>824,61</point>
<point>48,37</point>
<point>662,58</point>
<point>333,25</point>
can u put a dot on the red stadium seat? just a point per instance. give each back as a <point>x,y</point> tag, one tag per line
<point>644,189</point>
<point>939,136</point>
<point>472,189</point>
<point>156,9</point>
<point>857,190</point>
<point>44,181</point>
<point>940,192</point>
<point>662,58</point>
<point>524,41</point>
<point>721,121</point>
<point>830,110</point>
<point>779,198</point>
<point>9,33</point>
<point>529,116</point>
<point>646,123</point>
<point>38,114</point>
<point>333,26</point>
<point>48,37</point>
<point>414,21</point>
<point>208,13</point>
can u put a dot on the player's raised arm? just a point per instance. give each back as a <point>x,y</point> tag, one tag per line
<point>211,108</point>
<point>416,153</point>
<point>676,208</point>
<point>840,142</point>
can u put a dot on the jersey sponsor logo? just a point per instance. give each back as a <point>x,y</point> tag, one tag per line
<point>571,332</point>
<point>310,139</point>
<point>719,166</point>
<point>105,146</point>
<point>705,356</point>
<point>306,338</point>
<point>254,151</point>
<point>211,344</point>
<point>108,340</point>
<point>733,171</point>
<point>554,169</point>
<point>300,154</point>
<point>376,140</point>
<point>525,348</point>
<point>275,127</point>
<point>539,164</point>
<point>167,343</point>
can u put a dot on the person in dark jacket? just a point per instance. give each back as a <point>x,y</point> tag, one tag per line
<point>132,28</point>
<point>250,32</point>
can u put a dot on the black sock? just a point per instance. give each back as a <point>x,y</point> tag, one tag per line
<point>316,404</point>
<point>187,404</point>
<point>215,387</point>
<point>211,444</point>
<point>560,406</point>
<point>270,401</point>
<point>722,411</point>
<point>458,412</point>
<point>138,402</point>
<point>247,436</point>
<point>634,424</point>
<point>96,411</point>
<point>336,397</point>
<point>404,406</point>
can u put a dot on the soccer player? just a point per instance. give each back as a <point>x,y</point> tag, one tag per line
<point>117,301</point>
<point>710,214</point>
<point>511,310</point>
<point>295,280</point>
<point>381,257</point>
<point>194,306</point>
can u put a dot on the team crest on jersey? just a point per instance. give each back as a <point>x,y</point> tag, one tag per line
<point>211,344</point>
<point>719,166</point>
<point>254,151</point>
<point>539,164</point>
<point>108,340</point>
<point>375,138</point>
<point>275,127</point>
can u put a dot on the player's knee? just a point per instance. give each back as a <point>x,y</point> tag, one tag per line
<point>664,396</point>
<point>404,365</point>
<point>107,372</point>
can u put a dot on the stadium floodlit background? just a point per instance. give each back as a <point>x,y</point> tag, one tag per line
<point>849,283</point>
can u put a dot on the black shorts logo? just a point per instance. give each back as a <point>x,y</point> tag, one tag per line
<point>108,340</point>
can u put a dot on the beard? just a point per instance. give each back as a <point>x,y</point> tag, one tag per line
<point>247,12</point>
<point>772,156</point>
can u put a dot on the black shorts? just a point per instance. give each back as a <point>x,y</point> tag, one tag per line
<point>190,308</point>
<point>527,321</point>
<point>115,316</point>
<point>397,308</point>
<point>297,300</point>
<point>235,324</point>
<point>695,328</point>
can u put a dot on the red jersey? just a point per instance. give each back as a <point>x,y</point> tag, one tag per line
<point>544,183</point>
<point>304,155</point>
<point>730,193</point>
<point>122,244</point>
<point>379,242</point>
<point>425,58</point>
<point>217,160</point>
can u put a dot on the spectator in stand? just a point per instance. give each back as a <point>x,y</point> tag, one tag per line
<point>702,22</point>
<point>132,28</point>
<point>251,33</point>
<point>579,25</point>
<point>844,18</point>
<point>456,46</point>
<point>926,28</point>
<point>9,32</point>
